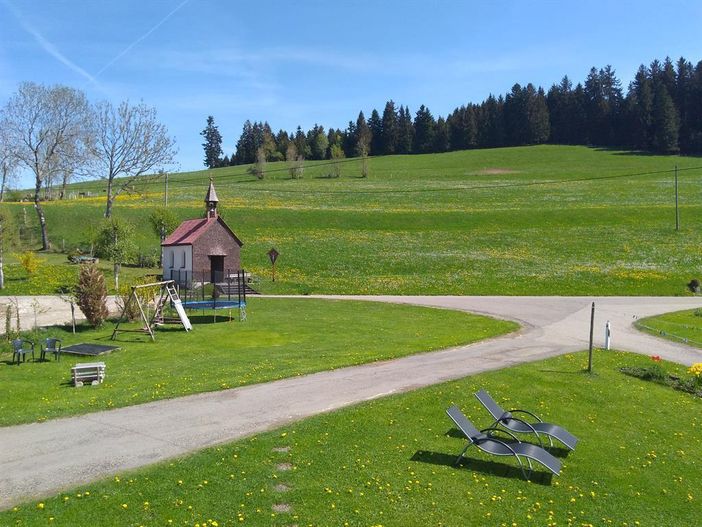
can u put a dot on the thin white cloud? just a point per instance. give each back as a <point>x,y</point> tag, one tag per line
<point>141,38</point>
<point>47,46</point>
<point>243,64</point>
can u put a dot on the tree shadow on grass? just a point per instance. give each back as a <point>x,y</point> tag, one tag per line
<point>491,468</point>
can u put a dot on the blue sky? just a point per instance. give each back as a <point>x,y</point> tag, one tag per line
<point>313,62</point>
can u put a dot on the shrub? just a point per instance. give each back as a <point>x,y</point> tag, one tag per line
<point>91,295</point>
<point>694,285</point>
<point>163,221</point>
<point>29,261</point>
<point>648,373</point>
<point>114,241</point>
<point>150,259</point>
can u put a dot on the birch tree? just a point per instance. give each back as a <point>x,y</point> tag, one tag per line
<point>130,142</point>
<point>48,130</point>
<point>8,164</point>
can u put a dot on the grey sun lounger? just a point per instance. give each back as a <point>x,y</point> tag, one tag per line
<point>485,441</point>
<point>514,424</point>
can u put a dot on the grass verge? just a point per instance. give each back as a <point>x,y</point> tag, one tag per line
<point>679,326</point>
<point>389,462</point>
<point>281,338</point>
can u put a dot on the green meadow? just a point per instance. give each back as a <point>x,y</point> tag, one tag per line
<point>517,221</point>
<point>389,463</point>
<point>280,338</point>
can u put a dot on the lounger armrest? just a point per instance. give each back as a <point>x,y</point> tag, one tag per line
<point>528,413</point>
<point>538,436</point>
<point>501,430</point>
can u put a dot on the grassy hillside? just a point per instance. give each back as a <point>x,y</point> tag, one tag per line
<point>528,220</point>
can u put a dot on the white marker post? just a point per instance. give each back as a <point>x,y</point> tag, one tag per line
<point>608,335</point>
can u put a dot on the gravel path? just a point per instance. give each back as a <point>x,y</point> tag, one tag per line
<point>66,452</point>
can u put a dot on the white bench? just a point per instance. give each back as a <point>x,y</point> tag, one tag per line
<point>92,372</point>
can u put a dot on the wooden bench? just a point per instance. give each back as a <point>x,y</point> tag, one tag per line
<point>92,372</point>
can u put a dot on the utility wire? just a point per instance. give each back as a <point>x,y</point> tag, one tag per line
<point>175,182</point>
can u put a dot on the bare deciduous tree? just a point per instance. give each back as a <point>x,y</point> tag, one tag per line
<point>130,142</point>
<point>47,131</point>
<point>8,163</point>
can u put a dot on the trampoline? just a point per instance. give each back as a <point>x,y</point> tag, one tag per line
<point>213,304</point>
<point>218,304</point>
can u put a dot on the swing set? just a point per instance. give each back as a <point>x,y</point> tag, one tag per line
<point>167,293</point>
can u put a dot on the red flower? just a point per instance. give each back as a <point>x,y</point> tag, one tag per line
<point>656,358</point>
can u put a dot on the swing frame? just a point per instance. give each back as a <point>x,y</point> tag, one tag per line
<point>149,322</point>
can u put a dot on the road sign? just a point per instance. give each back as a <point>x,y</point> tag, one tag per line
<point>273,255</point>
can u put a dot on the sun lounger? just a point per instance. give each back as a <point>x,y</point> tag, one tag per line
<point>487,442</point>
<point>517,425</point>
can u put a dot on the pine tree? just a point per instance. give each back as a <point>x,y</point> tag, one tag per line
<point>639,111</point>
<point>462,128</point>
<point>405,131</point>
<point>537,115</point>
<point>694,110</point>
<point>375,124</point>
<point>303,149</point>
<point>212,144</point>
<point>491,124</point>
<point>317,142</point>
<point>516,116</point>
<point>682,99</point>
<point>363,136</point>
<point>349,142</point>
<point>390,129</point>
<point>424,131</point>
<point>665,122</point>
<point>441,136</point>
<point>246,145</point>
<point>282,139</point>
<point>560,107</point>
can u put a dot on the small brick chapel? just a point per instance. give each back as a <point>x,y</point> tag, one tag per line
<point>202,249</point>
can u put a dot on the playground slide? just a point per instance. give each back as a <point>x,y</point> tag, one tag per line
<point>183,316</point>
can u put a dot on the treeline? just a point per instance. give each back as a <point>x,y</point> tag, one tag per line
<point>661,112</point>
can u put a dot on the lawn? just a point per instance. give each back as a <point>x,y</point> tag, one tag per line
<point>516,221</point>
<point>389,463</point>
<point>281,338</point>
<point>55,275</point>
<point>679,326</point>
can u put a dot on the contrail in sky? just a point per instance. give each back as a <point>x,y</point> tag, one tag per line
<point>141,38</point>
<point>48,46</point>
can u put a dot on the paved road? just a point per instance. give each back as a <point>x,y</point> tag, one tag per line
<point>64,453</point>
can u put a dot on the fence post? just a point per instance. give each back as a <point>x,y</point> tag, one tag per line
<point>592,325</point>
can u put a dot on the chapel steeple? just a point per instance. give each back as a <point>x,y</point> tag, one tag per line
<point>211,201</point>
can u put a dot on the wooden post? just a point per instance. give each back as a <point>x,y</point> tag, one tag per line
<point>592,326</point>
